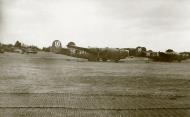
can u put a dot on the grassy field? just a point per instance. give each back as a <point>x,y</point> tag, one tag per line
<point>53,85</point>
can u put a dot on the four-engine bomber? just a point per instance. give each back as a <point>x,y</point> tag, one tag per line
<point>92,54</point>
<point>100,54</point>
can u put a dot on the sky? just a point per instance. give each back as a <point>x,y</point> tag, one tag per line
<point>155,24</point>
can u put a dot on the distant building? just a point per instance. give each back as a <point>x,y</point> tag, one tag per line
<point>148,53</point>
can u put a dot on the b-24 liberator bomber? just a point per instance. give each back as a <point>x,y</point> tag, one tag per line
<point>92,54</point>
<point>168,57</point>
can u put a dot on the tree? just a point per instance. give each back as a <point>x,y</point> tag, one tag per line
<point>143,49</point>
<point>71,44</point>
<point>18,44</point>
<point>169,50</point>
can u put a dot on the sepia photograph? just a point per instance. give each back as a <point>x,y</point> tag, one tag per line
<point>94,58</point>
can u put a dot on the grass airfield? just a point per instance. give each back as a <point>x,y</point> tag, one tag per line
<point>51,85</point>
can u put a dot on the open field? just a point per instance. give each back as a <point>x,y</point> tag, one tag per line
<point>53,85</point>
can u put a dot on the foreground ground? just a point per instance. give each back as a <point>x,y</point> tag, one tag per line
<point>53,85</point>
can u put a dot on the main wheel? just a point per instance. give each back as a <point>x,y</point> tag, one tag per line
<point>116,60</point>
<point>104,59</point>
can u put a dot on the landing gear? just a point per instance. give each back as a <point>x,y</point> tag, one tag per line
<point>93,59</point>
<point>116,60</point>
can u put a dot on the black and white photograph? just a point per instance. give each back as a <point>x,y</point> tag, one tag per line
<point>94,58</point>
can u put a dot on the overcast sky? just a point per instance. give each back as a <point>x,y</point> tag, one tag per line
<point>155,24</point>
